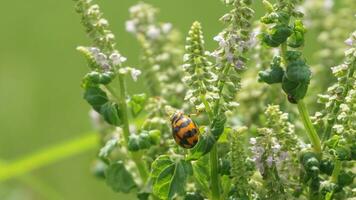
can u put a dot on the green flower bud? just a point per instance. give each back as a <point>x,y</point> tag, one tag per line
<point>133,143</point>
<point>144,140</point>
<point>106,77</point>
<point>278,35</point>
<point>93,77</point>
<point>326,167</point>
<point>298,71</point>
<point>155,136</point>
<point>343,153</point>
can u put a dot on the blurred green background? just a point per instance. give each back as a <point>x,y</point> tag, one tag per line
<point>40,96</point>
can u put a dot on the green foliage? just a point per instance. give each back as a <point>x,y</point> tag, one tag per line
<point>276,164</point>
<point>169,176</point>
<point>119,179</point>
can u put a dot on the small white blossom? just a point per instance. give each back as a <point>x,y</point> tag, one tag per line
<point>269,161</point>
<point>103,22</point>
<point>153,32</point>
<point>130,26</point>
<point>166,27</point>
<point>276,147</point>
<point>95,51</point>
<point>101,59</point>
<point>117,59</point>
<point>253,141</point>
<point>135,73</point>
<point>239,64</point>
<point>221,41</point>
<point>349,42</point>
<point>328,4</point>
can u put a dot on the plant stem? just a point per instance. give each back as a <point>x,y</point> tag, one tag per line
<point>312,134</point>
<point>47,156</point>
<point>336,171</point>
<point>136,157</point>
<point>214,173</point>
<point>331,120</point>
<point>213,157</point>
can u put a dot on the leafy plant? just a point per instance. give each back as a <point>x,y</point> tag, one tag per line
<point>241,153</point>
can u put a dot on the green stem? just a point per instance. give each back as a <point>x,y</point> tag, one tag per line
<point>331,120</point>
<point>136,157</point>
<point>336,171</point>
<point>214,173</point>
<point>312,134</point>
<point>213,155</point>
<point>47,156</point>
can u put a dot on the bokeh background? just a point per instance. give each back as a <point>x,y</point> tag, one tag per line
<point>40,96</point>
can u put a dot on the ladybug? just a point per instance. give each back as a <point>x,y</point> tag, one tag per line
<point>185,131</point>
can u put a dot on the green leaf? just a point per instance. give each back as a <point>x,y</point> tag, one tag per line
<point>295,90</point>
<point>298,71</point>
<point>201,174</point>
<point>345,178</point>
<point>272,75</point>
<point>96,97</point>
<point>119,179</point>
<point>137,103</point>
<point>296,40</point>
<point>204,145</point>
<point>169,177</point>
<point>110,112</point>
<point>108,147</point>
<point>278,35</point>
<point>218,125</point>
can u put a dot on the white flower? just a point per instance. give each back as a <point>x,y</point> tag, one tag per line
<point>103,22</point>
<point>349,42</point>
<point>269,161</point>
<point>130,26</point>
<point>95,51</point>
<point>253,141</point>
<point>166,27</point>
<point>276,147</point>
<point>153,32</point>
<point>239,64</point>
<point>135,73</point>
<point>328,4</point>
<point>135,8</point>
<point>117,59</point>
<point>101,59</point>
<point>221,41</point>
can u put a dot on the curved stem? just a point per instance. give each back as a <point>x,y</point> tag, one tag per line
<point>312,134</point>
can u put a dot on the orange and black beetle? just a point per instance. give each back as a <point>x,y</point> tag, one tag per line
<point>185,131</point>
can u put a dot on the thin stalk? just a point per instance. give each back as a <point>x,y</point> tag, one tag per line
<point>312,134</point>
<point>336,171</point>
<point>303,112</point>
<point>136,157</point>
<point>213,155</point>
<point>47,156</point>
<point>336,108</point>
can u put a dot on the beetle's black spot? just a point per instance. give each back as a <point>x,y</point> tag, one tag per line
<point>185,124</point>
